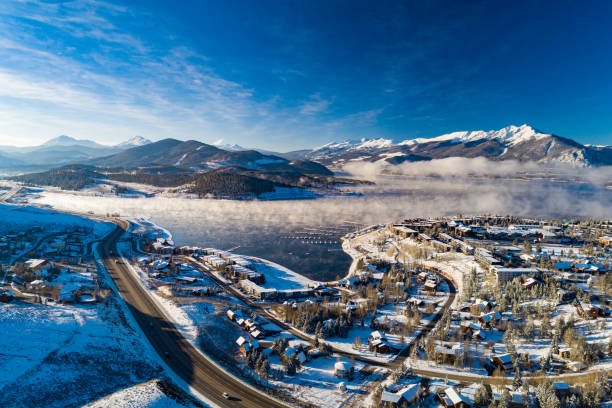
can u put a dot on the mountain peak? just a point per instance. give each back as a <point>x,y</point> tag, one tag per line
<point>510,135</point>
<point>64,140</point>
<point>513,135</point>
<point>231,147</point>
<point>134,142</point>
<point>374,143</point>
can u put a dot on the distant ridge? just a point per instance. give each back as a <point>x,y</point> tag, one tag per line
<point>61,150</point>
<point>196,155</point>
<point>64,140</point>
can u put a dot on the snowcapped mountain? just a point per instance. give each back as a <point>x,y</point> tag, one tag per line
<point>231,147</point>
<point>133,142</point>
<point>64,140</point>
<point>510,135</point>
<point>523,143</point>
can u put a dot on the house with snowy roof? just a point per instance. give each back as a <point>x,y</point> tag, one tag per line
<point>39,267</point>
<point>502,361</point>
<point>451,398</point>
<point>404,397</point>
<point>247,346</point>
<point>342,369</point>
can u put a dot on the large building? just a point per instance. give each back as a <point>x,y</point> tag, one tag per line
<point>605,241</point>
<point>507,274</point>
<point>254,289</point>
<point>404,231</point>
<point>485,258</point>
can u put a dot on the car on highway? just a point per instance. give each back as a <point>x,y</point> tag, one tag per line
<point>226,395</point>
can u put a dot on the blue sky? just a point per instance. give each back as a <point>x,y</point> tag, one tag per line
<point>288,75</point>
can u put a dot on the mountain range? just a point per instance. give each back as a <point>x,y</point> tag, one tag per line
<point>233,171</point>
<point>522,143</point>
<point>191,167</point>
<point>60,151</point>
<point>197,156</point>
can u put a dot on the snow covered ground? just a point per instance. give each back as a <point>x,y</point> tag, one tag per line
<point>69,355</point>
<point>278,277</point>
<point>153,394</point>
<point>62,356</point>
<point>315,382</point>
<point>14,217</point>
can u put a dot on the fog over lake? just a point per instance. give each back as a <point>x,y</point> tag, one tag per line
<point>276,230</point>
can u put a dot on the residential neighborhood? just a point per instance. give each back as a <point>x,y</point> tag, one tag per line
<point>451,312</point>
<point>496,299</point>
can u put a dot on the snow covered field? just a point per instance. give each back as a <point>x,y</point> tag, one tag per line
<point>278,277</point>
<point>63,356</point>
<point>19,217</point>
<point>69,355</point>
<point>315,382</point>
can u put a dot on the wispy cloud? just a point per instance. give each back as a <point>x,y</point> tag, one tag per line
<point>82,66</point>
<point>149,86</point>
<point>315,104</point>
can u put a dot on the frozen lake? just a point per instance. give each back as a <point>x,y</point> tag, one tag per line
<point>279,230</point>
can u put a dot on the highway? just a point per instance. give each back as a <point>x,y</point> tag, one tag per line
<point>204,376</point>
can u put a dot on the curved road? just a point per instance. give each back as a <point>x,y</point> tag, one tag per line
<point>396,363</point>
<point>200,373</point>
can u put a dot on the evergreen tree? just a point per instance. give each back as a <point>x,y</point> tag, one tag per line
<point>517,382</point>
<point>504,399</point>
<point>481,396</point>
<point>529,331</point>
<point>554,347</point>
<point>545,327</point>
<point>291,370</point>
<point>545,394</point>
<point>545,363</point>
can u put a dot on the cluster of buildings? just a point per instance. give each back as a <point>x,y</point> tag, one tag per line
<point>257,329</point>
<point>14,243</point>
<point>56,282</point>
<point>68,244</point>
<point>431,281</point>
<point>378,343</point>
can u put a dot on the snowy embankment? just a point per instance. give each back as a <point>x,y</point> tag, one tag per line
<point>350,245</point>
<point>456,266</point>
<point>144,226</point>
